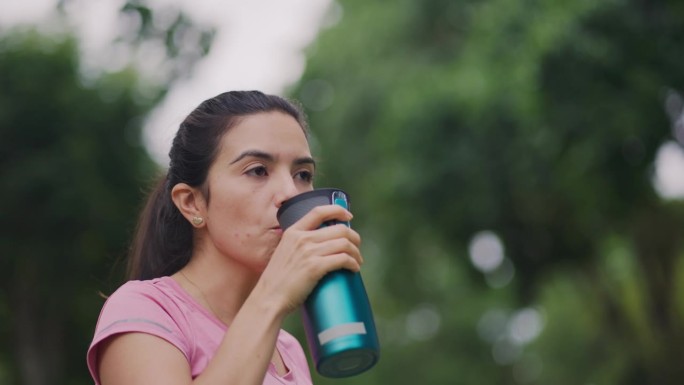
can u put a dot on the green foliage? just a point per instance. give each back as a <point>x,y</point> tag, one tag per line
<point>537,120</point>
<point>72,162</point>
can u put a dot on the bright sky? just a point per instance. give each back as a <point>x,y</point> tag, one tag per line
<point>259,45</point>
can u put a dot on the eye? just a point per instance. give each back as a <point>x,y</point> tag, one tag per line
<point>305,175</point>
<point>259,171</point>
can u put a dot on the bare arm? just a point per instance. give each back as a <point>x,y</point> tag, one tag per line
<point>242,358</point>
<point>303,256</point>
<point>154,361</point>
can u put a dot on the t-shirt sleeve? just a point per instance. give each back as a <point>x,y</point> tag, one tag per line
<point>138,308</point>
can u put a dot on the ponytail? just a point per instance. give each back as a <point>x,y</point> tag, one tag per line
<point>162,242</point>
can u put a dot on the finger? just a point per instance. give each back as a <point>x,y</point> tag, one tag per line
<point>336,246</point>
<point>333,232</point>
<point>321,214</point>
<point>321,266</point>
<point>340,261</point>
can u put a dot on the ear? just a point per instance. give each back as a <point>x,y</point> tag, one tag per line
<point>190,202</point>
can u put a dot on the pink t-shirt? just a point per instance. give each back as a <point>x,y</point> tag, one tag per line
<point>162,308</point>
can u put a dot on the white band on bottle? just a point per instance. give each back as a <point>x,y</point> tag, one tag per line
<point>341,330</point>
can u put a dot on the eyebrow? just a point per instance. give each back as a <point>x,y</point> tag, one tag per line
<point>270,158</point>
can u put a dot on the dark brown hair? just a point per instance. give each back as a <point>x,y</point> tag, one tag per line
<point>163,240</point>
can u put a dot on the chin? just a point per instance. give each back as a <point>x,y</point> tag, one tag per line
<point>264,262</point>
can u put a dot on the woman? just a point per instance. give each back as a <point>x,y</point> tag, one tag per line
<point>212,274</point>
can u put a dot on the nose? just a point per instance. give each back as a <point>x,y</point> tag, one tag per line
<point>286,190</point>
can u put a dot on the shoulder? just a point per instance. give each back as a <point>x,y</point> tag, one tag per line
<point>158,290</point>
<point>152,288</point>
<point>150,304</point>
<point>152,307</point>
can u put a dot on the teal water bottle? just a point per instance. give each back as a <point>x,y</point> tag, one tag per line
<point>337,316</point>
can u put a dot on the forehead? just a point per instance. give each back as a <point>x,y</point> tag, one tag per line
<point>274,132</point>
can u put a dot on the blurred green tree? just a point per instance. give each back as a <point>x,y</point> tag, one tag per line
<point>538,121</point>
<point>72,163</point>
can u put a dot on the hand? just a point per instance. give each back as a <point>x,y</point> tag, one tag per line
<point>306,253</point>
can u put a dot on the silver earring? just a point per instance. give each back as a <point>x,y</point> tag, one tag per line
<point>197,220</point>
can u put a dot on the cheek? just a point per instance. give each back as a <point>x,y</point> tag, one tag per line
<point>234,222</point>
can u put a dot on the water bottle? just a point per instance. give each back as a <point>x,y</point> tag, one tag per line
<point>337,316</point>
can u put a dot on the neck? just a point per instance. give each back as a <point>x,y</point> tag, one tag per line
<point>219,283</point>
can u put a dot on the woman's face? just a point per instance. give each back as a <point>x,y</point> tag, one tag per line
<point>263,160</point>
